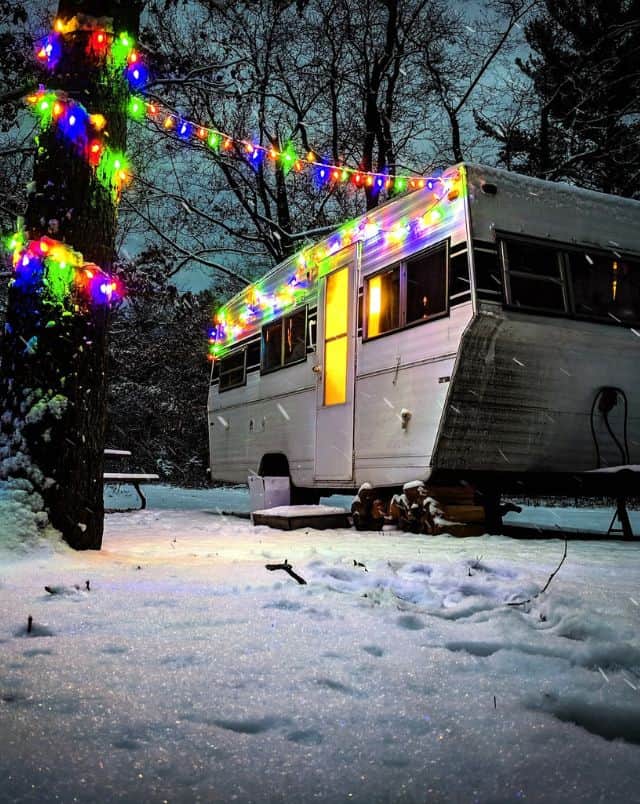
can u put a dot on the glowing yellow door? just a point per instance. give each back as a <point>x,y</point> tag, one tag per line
<point>336,317</point>
<point>336,353</point>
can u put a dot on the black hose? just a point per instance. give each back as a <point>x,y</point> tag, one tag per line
<point>608,398</point>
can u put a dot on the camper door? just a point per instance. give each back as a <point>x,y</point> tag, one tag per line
<point>336,353</point>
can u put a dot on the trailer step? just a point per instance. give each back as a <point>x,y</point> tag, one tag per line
<point>293,517</point>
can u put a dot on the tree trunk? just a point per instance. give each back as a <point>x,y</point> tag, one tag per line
<point>54,357</point>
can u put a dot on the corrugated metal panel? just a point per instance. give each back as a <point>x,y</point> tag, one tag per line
<point>522,393</point>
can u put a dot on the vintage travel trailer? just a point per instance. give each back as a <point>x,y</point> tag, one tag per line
<point>484,329</point>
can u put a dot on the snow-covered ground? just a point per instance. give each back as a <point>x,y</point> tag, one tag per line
<point>189,672</point>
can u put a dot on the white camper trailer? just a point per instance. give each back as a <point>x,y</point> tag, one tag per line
<point>484,328</point>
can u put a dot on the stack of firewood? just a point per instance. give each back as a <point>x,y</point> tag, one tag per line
<point>423,509</point>
<point>414,510</point>
<point>367,509</point>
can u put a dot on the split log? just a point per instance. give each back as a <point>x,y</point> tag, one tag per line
<point>368,510</point>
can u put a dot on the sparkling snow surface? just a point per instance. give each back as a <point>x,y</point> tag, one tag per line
<point>190,673</point>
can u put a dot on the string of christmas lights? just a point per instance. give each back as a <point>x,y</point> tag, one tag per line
<point>85,132</point>
<point>102,47</point>
<point>120,50</point>
<point>47,266</point>
<point>261,303</point>
<point>60,271</point>
<point>286,157</point>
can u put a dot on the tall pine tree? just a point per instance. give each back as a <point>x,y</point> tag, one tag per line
<point>582,121</point>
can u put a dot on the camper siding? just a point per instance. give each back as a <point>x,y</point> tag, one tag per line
<point>272,413</point>
<point>523,392</point>
<point>408,370</point>
<point>553,211</point>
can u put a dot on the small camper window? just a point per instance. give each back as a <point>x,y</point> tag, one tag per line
<point>487,273</point>
<point>427,286</point>
<point>383,302</point>
<point>284,341</point>
<point>605,286</point>
<point>232,371</point>
<point>459,282</point>
<point>253,354</point>
<point>535,276</point>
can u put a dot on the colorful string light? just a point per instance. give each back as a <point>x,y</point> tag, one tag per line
<point>272,296</point>
<point>46,266</point>
<point>102,46</point>
<point>84,132</point>
<point>60,271</point>
<point>324,172</point>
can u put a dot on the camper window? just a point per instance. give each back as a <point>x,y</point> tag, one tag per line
<point>272,346</point>
<point>459,284</point>
<point>487,273</point>
<point>284,341</point>
<point>605,286</point>
<point>426,286</point>
<point>295,341</point>
<point>232,371</point>
<point>383,302</point>
<point>535,276</point>
<point>253,354</point>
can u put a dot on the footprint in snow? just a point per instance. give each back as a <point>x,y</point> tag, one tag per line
<point>252,725</point>
<point>373,650</point>
<point>305,737</point>
<point>410,622</point>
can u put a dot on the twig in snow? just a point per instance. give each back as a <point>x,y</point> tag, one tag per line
<point>29,624</point>
<point>288,569</point>
<point>359,564</point>
<point>546,586</point>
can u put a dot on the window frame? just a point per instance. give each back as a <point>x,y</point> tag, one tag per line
<point>282,365</point>
<point>507,273</point>
<point>221,373</point>
<point>403,324</point>
<point>566,279</point>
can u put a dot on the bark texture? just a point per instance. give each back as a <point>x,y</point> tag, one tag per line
<point>54,357</point>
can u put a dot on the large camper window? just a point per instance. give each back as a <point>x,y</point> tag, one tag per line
<point>232,371</point>
<point>413,291</point>
<point>383,302</point>
<point>535,276</point>
<point>605,286</point>
<point>426,286</point>
<point>284,341</point>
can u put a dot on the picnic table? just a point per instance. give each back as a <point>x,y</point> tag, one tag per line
<point>125,477</point>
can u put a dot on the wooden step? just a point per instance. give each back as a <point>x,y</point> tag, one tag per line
<point>463,513</point>
<point>452,495</point>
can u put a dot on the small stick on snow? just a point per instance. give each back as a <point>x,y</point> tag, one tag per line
<point>546,586</point>
<point>288,569</point>
<point>29,624</point>
<point>359,564</point>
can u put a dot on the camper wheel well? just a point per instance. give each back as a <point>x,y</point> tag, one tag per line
<point>274,464</point>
